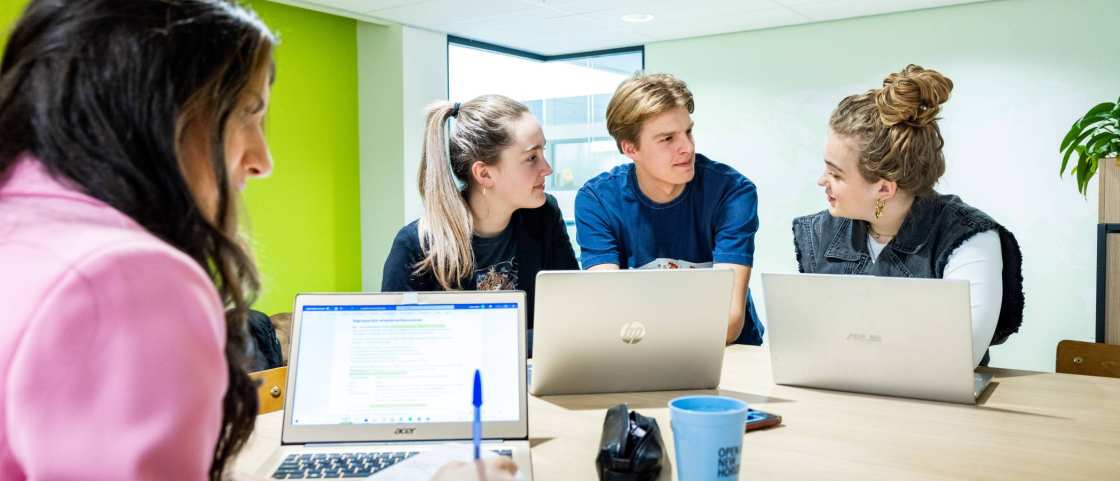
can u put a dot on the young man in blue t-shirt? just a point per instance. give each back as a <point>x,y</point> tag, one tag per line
<point>670,208</point>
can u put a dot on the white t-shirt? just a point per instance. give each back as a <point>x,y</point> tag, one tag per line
<point>978,260</point>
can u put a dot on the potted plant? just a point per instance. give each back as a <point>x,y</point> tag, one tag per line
<point>1093,137</point>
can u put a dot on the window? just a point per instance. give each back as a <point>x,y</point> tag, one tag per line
<point>567,94</point>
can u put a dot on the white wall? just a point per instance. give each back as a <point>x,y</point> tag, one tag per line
<point>425,82</point>
<point>400,71</point>
<point>380,147</point>
<point>1024,71</point>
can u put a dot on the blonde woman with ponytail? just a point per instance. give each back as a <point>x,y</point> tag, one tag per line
<point>488,223</point>
<point>883,156</point>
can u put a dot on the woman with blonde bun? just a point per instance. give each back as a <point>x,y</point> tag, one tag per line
<point>883,157</point>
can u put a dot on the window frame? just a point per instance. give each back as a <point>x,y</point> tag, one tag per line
<point>466,42</point>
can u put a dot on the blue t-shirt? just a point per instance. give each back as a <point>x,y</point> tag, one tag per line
<point>712,221</point>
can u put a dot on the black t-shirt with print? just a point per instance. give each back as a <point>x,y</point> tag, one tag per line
<point>535,240</point>
<point>495,263</point>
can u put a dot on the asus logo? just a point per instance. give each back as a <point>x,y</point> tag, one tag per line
<point>632,332</point>
<point>864,337</point>
<point>404,431</point>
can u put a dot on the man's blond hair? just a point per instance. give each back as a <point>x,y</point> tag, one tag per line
<point>640,97</point>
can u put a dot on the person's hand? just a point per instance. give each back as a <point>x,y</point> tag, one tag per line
<point>489,469</point>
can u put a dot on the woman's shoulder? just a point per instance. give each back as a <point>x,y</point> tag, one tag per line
<point>815,223</point>
<point>119,281</point>
<point>408,236</point>
<point>964,212</point>
<point>96,249</point>
<point>129,311</point>
<point>128,259</point>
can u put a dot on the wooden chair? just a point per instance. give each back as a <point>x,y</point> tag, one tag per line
<point>1088,358</point>
<point>273,383</point>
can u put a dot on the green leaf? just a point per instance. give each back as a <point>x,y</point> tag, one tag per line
<point>1073,133</point>
<point>1079,176</point>
<point>1096,134</point>
<point>1065,160</point>
<point>1096,114</point>
<point>1091,120</point>
<point>1086,168</point>
<point>1100,141</point>
<point>1070,149</point>
<point>1099,109</point>
<point>1081,169</point>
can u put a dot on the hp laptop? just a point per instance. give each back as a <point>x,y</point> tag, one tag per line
<point>878,335</point>
<point>629,330</point>
<point>377,378</point>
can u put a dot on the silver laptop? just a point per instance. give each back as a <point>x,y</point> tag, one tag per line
<point>879,335</point>
<point>629,330</point>
<point>378,378</point>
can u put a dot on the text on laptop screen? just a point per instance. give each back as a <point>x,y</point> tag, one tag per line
<point>406,363</point>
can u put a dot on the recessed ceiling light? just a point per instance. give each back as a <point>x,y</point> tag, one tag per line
<point>637,18</point>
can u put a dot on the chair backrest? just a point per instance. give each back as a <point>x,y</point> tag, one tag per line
<point>271,388</point>
<point>282,323</point>
<point>1088,358</point>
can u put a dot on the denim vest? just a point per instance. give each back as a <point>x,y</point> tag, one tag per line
<point>933,229</point>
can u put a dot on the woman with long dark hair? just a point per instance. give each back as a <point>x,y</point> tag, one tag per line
<point>127,130</point>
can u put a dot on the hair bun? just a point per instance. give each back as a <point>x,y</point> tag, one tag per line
<point>912,96</point>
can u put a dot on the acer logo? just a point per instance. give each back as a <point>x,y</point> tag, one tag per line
<point>632,332</point>
<point>864,337</point>
<point>404,431</point>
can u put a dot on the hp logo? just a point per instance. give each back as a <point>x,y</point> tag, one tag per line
<point>632,332</point>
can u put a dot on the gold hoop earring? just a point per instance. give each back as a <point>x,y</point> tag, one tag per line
<point>879,204</point>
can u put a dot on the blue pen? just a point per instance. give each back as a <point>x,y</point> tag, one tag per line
<point>477,401</point>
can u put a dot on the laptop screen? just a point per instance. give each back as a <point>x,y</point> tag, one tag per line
<point>413,363</point>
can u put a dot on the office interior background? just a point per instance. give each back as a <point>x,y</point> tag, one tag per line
<point>354,76</point>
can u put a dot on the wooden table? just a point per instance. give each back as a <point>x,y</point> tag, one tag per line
<point>1028,425</point>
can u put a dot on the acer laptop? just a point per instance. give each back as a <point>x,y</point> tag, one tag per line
<point>629,330</point>
<point>878,335</point>
<point>377,378</point>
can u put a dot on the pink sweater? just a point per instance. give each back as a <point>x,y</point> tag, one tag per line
<point>111,342</point>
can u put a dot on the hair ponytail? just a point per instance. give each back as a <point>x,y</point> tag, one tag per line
<point>480,132</point>
<point>445,227</point>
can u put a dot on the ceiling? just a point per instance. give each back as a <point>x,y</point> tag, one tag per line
<point>552,27</point>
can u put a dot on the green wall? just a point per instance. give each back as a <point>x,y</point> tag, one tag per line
<point>9,12</point>
<point>304,220</point>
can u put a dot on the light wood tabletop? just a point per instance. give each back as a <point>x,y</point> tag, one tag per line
<point>1027,426</point>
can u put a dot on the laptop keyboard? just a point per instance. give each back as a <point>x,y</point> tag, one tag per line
<point>345,465</point>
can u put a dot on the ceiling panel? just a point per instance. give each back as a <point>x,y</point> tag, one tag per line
<point>670,22</point>
<point>444,13</point>
<point>356,6</point>
<point>552,27</point>
<point>821,10</point>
